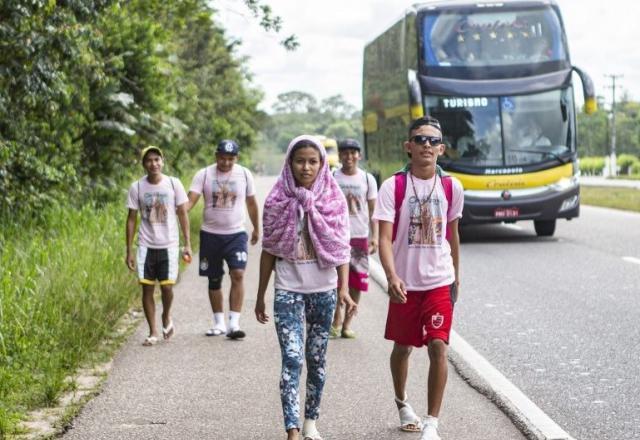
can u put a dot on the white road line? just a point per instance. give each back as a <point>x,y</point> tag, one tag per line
<point>518,406</point>
<point>631,260</point>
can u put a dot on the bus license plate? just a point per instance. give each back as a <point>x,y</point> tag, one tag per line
<point>506,212</point>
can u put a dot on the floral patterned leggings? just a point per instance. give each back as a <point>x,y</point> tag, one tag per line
<point>291,310</point>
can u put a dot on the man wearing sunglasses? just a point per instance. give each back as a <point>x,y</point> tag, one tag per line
<point>419,248</point>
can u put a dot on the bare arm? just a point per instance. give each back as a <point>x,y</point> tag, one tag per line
<point>396,286</point>
<point>373,228</point>
<point>254,215</point>
<point>454,242</point>
<point>183,218</point>
<point>343,290</point>
<point>267,263</point>
<point>132,218</point>
<point>193,199</point>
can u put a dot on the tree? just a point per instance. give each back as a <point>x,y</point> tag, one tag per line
<point>296,102</point>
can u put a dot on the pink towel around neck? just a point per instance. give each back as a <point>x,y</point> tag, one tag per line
<point>326,208</point>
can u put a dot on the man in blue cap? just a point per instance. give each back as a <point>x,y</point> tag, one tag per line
<point>226,188</point>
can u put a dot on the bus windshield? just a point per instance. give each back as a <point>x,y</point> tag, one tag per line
<point>505,131</point>
<point>492,37</point>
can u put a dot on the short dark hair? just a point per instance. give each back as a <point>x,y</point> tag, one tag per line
<point>424,120</point>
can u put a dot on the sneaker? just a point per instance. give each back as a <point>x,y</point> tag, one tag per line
<point>430,429</point>
<point>348,334</point>
<point>215,331</point>
<point>334,332</point>
<point>236,334</point>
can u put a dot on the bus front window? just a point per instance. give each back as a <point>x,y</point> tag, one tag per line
<point>537,127</point>
<point>506,131</point>
<point>493,38</point>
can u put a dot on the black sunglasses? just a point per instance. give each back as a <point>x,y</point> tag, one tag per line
<point>421,139</point>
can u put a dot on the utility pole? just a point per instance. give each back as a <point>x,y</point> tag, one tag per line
<point>613,166</point>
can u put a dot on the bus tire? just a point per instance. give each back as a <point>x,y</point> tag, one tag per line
<point>544,228</point>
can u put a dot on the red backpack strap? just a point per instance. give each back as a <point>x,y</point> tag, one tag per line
<point>400,180</point>
<point>447,185</point>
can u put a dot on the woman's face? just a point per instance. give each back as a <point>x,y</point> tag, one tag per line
<point>305,165</point>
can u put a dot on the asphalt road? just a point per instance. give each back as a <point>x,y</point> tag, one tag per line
<point>559,316</point>
<point>198,387</point>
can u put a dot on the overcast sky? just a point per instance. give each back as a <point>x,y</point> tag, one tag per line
<point>604,39</point>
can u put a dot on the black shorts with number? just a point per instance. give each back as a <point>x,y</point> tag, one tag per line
<point>214,248</point>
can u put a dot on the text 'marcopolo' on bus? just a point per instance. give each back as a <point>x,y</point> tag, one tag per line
<point>499,78</point>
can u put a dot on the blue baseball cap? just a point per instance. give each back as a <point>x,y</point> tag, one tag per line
<point>228,146</point>
<point>349,144</point>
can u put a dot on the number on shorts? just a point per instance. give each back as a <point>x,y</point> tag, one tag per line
<point>241,256</point>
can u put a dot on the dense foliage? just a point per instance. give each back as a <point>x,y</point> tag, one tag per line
<point>85,84</point>
<point>298,112</point>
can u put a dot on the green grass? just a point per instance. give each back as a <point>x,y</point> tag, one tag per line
<point>627,199</point>
<point>63,288</point>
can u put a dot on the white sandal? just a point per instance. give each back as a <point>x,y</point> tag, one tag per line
<point>169,331</point>
<point>409,420</point>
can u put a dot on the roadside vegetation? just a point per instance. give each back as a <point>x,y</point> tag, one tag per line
<point>85,86</point>
<point>627,199</point>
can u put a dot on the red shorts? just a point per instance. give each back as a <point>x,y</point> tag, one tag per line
<point>425,316</point>
<point>359,264</point>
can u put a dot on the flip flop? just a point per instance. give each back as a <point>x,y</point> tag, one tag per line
<point>169,331</point>
<point>149,341</point>
<point>236,334</point>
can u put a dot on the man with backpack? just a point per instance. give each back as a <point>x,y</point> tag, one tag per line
<point>226,188</point>
<point>418,211</point>
<point>162,202</point>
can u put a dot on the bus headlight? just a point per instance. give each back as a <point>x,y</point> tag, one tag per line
<point>569,203</point>
<point>565,183</point>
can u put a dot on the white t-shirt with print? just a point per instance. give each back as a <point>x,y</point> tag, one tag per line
<point>421,253</point>
<point>304,275</point>
<point>358,189</point>
<point>157,205</point>
<point>224,198</point>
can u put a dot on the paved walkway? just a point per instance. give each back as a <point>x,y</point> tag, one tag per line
<point>198,387</point>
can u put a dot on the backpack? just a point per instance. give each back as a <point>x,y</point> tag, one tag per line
<point>400,180</point>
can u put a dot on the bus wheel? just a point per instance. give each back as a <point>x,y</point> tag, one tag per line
<point>544,228</point>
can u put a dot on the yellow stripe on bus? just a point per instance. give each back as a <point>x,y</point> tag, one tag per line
<point>514,181</point>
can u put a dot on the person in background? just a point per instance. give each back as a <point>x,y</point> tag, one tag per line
<point>162,203</point>
<point>361,191</point>
<point>226,188</point>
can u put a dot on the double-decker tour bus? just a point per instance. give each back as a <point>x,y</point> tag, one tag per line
<point>499,78</point>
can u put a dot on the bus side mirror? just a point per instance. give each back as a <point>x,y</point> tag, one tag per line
<point>590,103</point>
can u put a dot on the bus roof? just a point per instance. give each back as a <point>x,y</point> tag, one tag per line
<point>455,4</point>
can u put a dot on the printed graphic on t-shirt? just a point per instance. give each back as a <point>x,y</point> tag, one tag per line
<point>224,194</point>
<point>155,207</point>
<point>354,196</point>
<point>425,222</point>
<point>304,249</point>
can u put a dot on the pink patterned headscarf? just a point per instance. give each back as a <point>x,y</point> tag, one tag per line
<point>326,210</point>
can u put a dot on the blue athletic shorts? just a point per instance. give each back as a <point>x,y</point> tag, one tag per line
<point>214,248</point>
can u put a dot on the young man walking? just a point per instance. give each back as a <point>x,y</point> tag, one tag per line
<point>162,202</point>
<point>418,211</point>
<point>360,190</point>
<point>226,188</point>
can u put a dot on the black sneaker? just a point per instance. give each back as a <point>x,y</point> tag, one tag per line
<point>236,334</point>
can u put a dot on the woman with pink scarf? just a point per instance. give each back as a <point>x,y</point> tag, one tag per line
<point>306,242</point>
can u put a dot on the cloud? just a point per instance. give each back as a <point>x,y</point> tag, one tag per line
<point>602,40</point>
